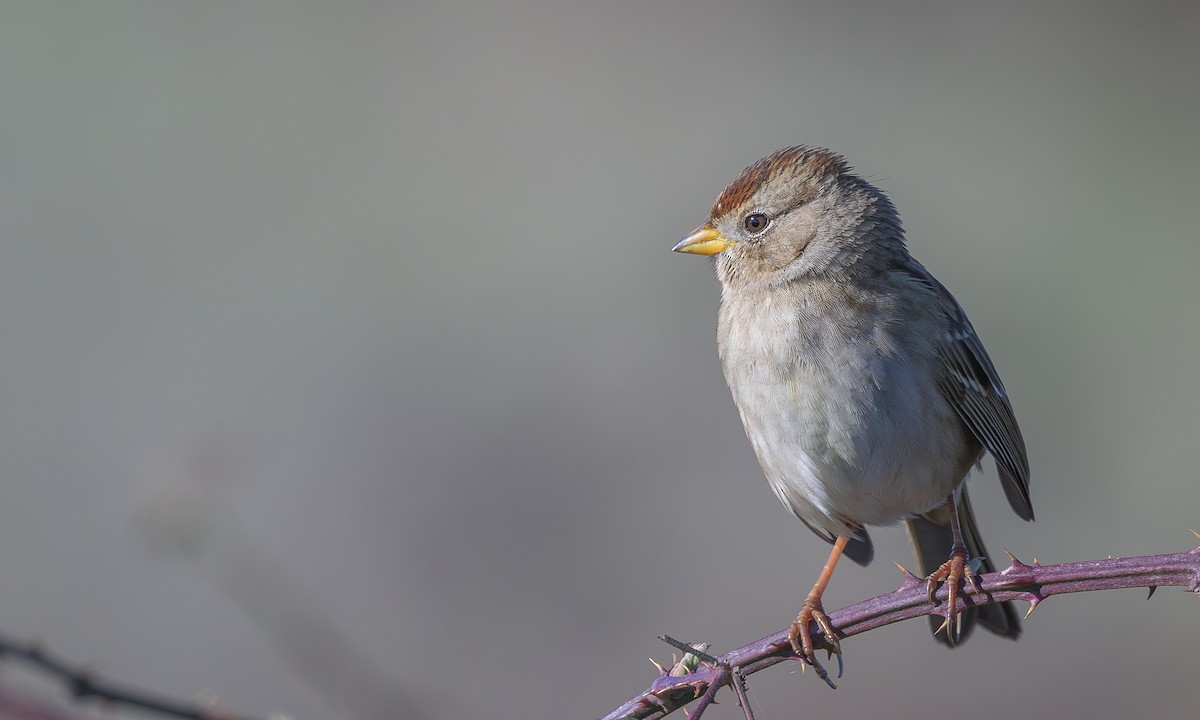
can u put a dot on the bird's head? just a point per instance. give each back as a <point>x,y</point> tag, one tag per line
<point>797,212</point>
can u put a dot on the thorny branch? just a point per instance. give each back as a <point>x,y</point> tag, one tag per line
<point>84,685</point>
<point>1028,583</point>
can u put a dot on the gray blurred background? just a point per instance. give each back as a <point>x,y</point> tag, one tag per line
<point>345,371</point>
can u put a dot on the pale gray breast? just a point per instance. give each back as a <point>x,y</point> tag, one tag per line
<point>840,402</point>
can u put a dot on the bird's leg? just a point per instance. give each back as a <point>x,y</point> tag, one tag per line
<point>952,571</point>
<point>799,634</point>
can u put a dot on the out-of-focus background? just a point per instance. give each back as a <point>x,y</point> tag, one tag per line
<point>345,371</point>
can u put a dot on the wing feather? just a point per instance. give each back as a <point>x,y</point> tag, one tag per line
<point>972,386</point>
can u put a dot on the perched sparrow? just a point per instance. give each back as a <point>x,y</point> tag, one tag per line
<point>861,384</point>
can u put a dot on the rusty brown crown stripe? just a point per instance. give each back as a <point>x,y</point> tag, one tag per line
<point>817,162</point>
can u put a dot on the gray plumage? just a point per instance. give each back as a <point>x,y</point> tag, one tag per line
<point>864,390</point>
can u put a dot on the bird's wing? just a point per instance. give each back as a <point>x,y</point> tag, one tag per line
<point>972,386</point>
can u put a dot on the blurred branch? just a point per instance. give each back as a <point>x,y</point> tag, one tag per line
<point>84,685</point>
<point>200,523</point>
<point>1029,583</point>
<point>17,703</point>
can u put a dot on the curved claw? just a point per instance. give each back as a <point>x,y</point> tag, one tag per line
<point>802,644</point>
<point>957,568</point>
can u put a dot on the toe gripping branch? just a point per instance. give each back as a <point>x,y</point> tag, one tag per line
<point>1019,581</point>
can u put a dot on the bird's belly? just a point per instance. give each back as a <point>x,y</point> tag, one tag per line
<point>854,449</point>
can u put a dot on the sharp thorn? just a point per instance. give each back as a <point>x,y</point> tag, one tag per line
<point>1151,593</point>
<point>1197,534</point>
<point>1014,564</point>
<point>661,670</point>
<point>1032,607</point>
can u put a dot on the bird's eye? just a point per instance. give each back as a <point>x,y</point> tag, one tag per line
<point>755,223</point>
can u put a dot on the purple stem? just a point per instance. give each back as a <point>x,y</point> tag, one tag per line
<point>1030,583</point>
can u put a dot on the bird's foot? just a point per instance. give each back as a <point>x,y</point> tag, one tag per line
<point>952,571</point>
<point>802,642</point>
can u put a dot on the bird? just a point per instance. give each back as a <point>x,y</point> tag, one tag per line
<point>863,388</point>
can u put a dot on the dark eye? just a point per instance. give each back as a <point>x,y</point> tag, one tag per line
<point>755,223</point>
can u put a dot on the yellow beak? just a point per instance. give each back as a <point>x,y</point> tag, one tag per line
<point>704,240</point>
